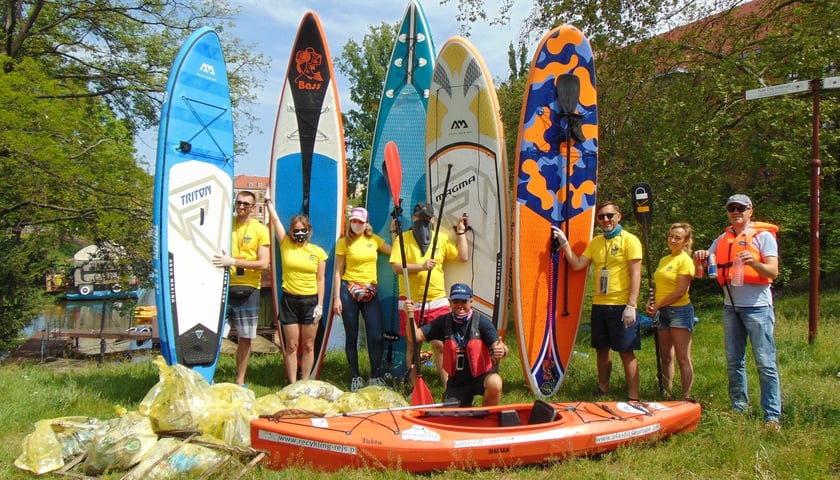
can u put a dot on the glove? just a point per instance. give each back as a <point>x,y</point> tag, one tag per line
<point>223,260</point>
<point>629,316</point>
<point>318,312</point>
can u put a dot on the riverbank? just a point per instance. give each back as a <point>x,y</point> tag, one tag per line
<point>726,445</point>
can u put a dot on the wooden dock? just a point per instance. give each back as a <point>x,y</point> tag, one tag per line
<point>47,345</point>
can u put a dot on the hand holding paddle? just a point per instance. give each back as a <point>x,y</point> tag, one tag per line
<point>393,168</point>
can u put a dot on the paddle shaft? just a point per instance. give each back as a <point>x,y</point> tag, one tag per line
<point>435,238</point>
<point>568,93</point>
<point>642,198</point>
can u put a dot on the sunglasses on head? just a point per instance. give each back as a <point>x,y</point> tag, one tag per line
<point>244,204</point>
<point>734,207</point>
<point>605,216</point>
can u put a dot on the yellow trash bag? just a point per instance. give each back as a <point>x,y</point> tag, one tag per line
<point>178,401</point>
<point>119,444</point>
<point>166,460</point>
<point>53,442</point>
<point>229,413</point>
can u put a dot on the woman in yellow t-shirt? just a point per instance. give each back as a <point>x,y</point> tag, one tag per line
<point>356,254</point>
<point>673,308</point>
<point>304,267</point>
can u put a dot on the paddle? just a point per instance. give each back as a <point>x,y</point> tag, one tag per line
<point>568,93</point>
<point>421,394</point>
<point>393,176</point>
<point>642,199</point>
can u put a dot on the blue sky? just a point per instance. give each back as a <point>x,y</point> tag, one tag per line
<point>271,26</point>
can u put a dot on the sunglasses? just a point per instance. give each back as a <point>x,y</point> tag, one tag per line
<point>299,230</point>
<point>244,204</point>
<point>605,216</point>
<point>736,208</point>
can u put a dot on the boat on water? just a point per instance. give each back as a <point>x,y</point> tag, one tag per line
<point>89,293</point>
<point>94,277</point>
<point>429,438</point>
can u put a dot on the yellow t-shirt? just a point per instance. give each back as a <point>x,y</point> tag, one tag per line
<point>359,257</point>
<point>446,250</point>
<point>665,277</point>
<point>247,239</point>
<point>613,255</point>
<point>300,266</point>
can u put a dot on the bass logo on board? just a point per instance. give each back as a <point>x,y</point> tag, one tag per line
<point>308,65</point>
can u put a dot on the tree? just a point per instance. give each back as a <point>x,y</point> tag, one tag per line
<point>79,79</point>
<point>365,65</point>
<point>671,110</point>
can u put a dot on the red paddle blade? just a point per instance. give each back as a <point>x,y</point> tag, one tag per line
<point>393,170</point>
<point>421,394</point>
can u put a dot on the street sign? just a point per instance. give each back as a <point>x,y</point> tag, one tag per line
<point>831,83</point>
<point>803,86</point>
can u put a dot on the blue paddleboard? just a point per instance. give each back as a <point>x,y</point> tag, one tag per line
<point>401,118</point>
<point>192,216</point>
<point>308,171</point>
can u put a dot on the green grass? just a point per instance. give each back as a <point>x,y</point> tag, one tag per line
<point>725,445</point>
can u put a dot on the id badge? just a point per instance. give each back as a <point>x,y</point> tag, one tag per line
<point>603,281</point>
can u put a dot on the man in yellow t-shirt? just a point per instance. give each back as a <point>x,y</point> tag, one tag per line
<point>248,258</point>
<point>617,259</point>
<point>421,266</point>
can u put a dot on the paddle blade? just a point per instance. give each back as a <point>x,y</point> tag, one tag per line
<point>568,92</point>
<point>393,170</point>
<point>421,394</point>
<point>642,203</point>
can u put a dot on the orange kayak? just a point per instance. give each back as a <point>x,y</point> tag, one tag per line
<point>421,439</point>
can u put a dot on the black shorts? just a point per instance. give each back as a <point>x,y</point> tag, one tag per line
<point>608,329</point>
<point>464,391</point>
<point>297,309</point>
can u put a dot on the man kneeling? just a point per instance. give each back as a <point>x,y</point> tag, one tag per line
<point>471,352</point>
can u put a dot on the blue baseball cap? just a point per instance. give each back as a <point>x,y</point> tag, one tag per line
<point>460,291</point>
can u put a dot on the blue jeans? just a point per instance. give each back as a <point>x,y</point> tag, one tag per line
<point>757,324</point>
<point>372,312</point>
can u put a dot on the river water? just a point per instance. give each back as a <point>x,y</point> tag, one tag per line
<point>118,315</point>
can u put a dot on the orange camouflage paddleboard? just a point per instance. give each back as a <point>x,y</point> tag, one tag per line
<point>556,175</point>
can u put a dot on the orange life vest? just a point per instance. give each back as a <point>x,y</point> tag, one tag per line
<point>730,245</point>
<point>477,354</point>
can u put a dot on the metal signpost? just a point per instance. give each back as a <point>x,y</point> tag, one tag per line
<point>814,87</point>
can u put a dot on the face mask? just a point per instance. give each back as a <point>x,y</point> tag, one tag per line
<point>357,228</point>
<point>423,234</point>
<point>461,318</point>
<point>300,237</point>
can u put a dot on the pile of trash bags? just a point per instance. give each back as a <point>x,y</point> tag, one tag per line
<point>181,402</point>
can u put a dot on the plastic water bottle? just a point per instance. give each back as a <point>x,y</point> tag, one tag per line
<point>737,272</point>
<point>712,272</point>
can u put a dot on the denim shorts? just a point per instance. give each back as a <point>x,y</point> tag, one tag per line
<point>676,317</point>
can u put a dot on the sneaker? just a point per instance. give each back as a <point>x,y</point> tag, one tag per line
<point>772,426</point>
<point>357,384</point>
<point>377,382</point>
